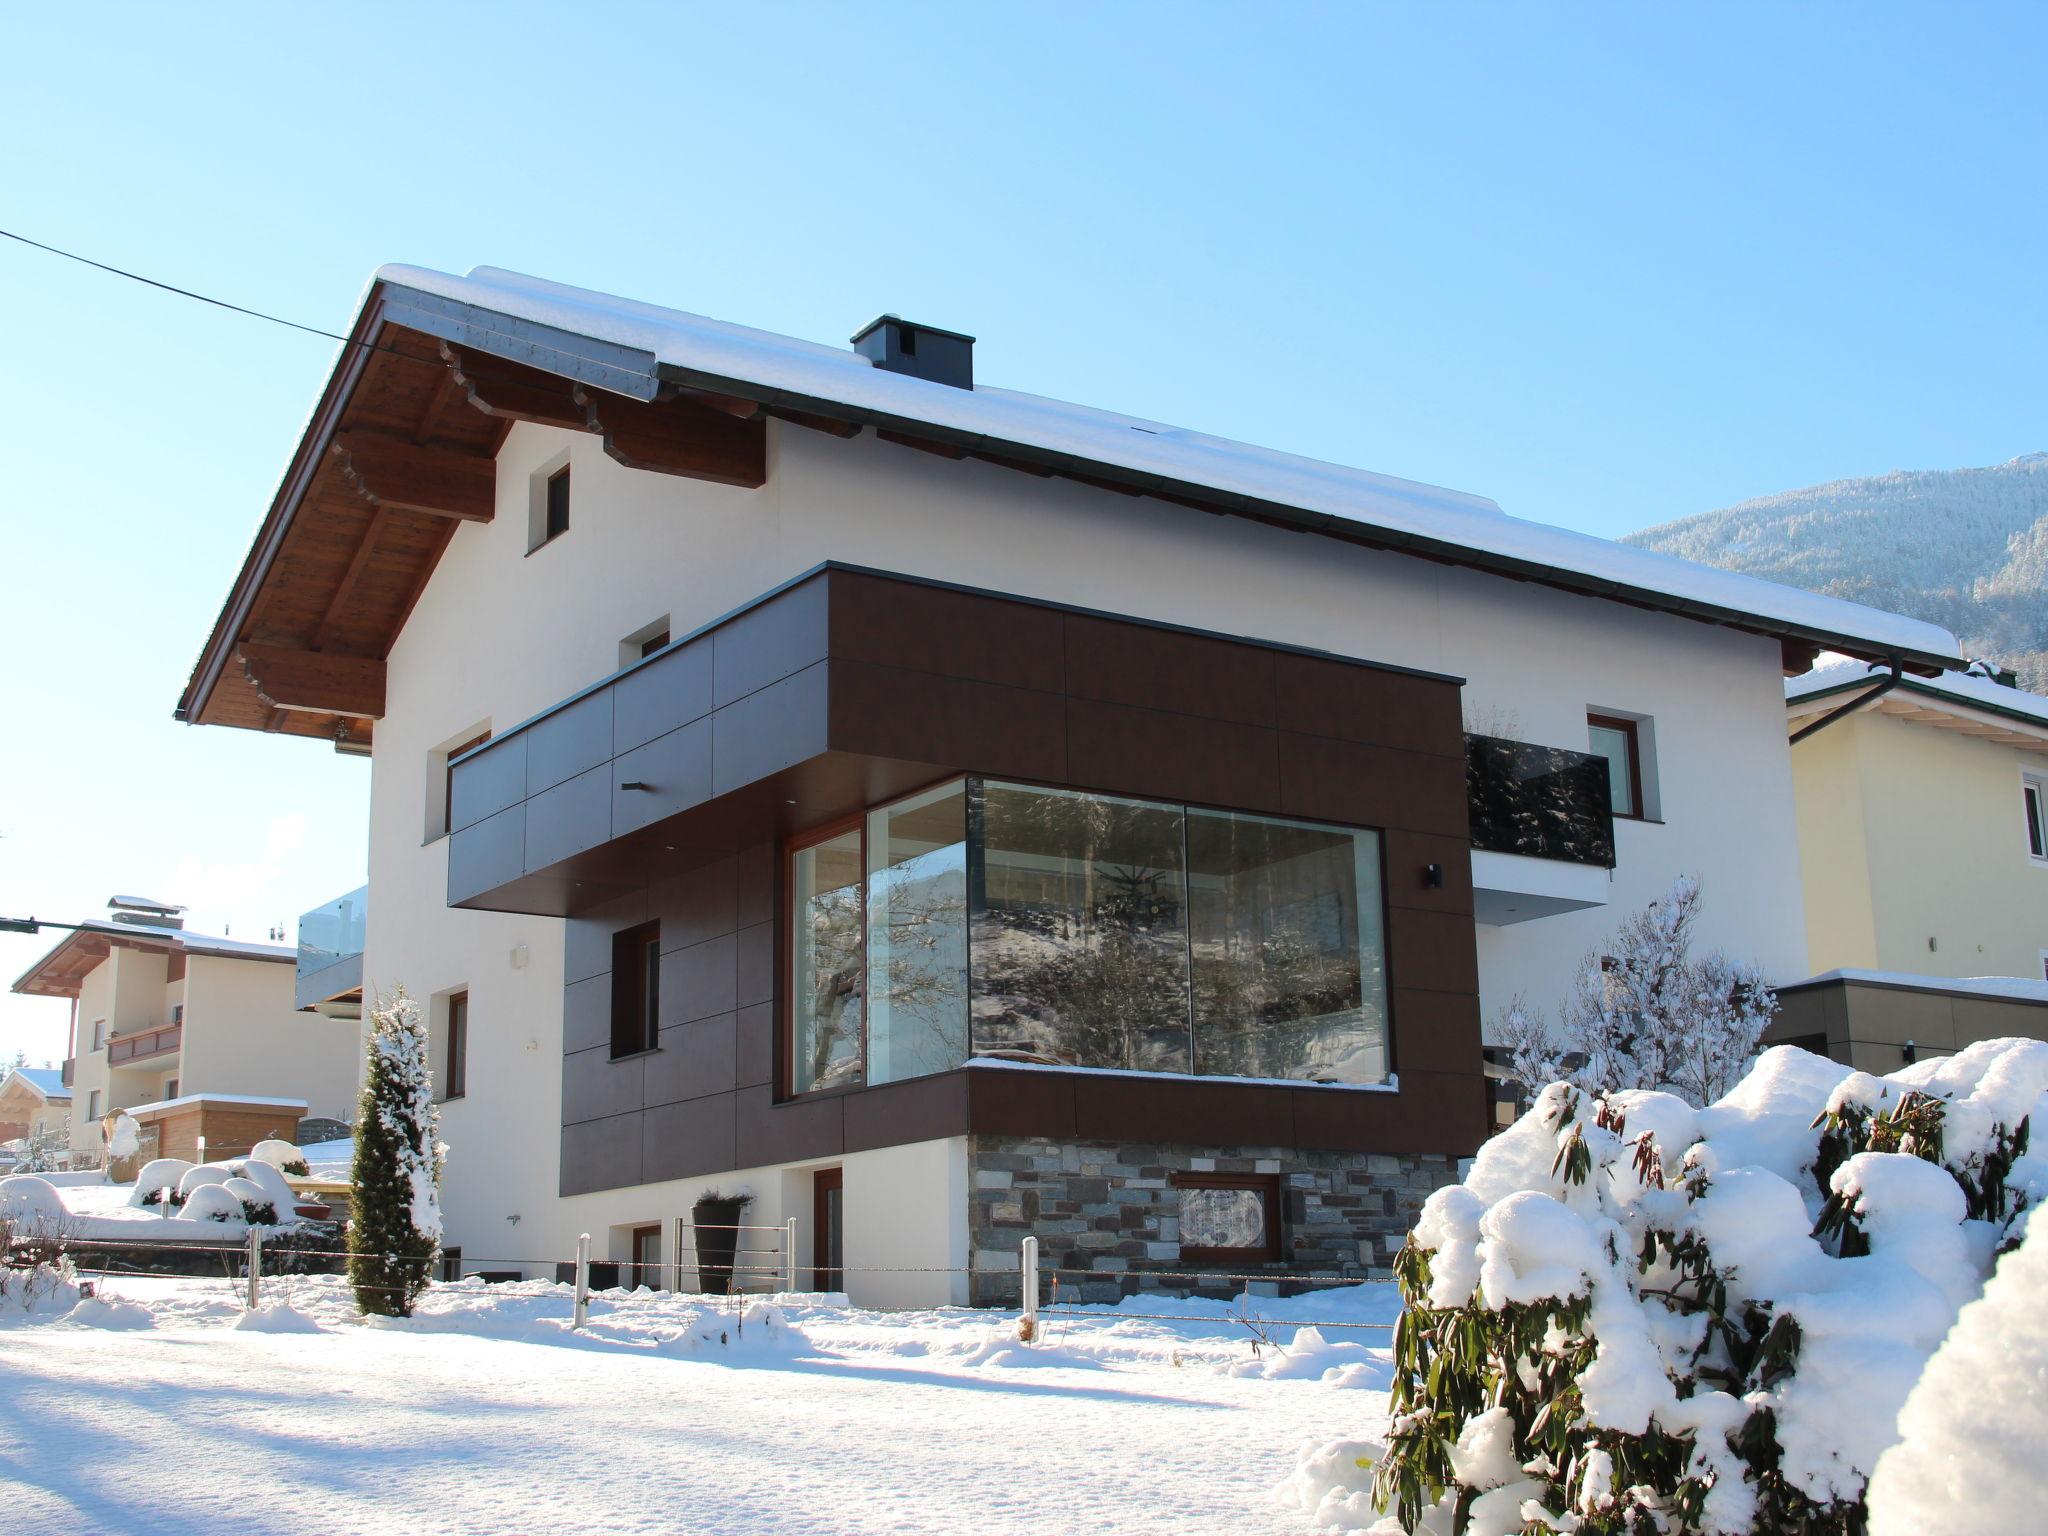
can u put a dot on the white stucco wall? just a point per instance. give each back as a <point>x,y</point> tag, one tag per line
<point>242,1035</point>
<point>500,634</point>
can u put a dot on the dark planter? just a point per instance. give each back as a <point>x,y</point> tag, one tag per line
<point>718,1240</point>
<point>604,1274</point>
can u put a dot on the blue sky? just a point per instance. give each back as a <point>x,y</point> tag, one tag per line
<point>1606,264</point>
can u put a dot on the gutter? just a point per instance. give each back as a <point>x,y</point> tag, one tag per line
<point>1814,726</point>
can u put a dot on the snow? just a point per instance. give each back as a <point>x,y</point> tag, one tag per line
<point>1971,687</point>
<point>28,1199</point>
<point>485,1413</point>
<point>266,1100</point>
<point>48,1081</point>
<point>765,361</point>
<point>330,1159</point>
<point>1968,1459</point>
<point>2020,988</point>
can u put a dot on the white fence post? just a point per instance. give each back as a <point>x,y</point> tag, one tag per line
<point>682,1231</point>
<point>1027,1273</point>
<point>255,1266</point>
<point>582,1280</point>
<point>789,1255</point>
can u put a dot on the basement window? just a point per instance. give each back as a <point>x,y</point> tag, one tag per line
<point>636,989</point>
<point>1229,1218</point>
<point>2034,797</point>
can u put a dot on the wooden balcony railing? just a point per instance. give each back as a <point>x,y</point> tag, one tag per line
<point>141,1043</point>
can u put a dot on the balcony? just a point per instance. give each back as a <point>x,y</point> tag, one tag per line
<point>330,965</point>
<point>144,1044</point>
<point>1542,830</point>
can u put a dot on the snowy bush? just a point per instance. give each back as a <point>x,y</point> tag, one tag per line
<point>254,1205</point>
<point>202,1174</point>
<point>45,1150</point>
<point>275,1192</point>
<point>158,1178</point>
<point>281,1155</point>
<point>1638,1316</point>
<point>212,1202</point>
<point>396,1229</point>
<point>26,1200</point>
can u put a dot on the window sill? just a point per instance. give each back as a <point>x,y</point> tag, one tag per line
<point>652,1050</point>
<point>544,543</point>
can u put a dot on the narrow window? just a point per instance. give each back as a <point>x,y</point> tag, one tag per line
<point>170,1087</point>
<point>92,1105</point>
<point>1617,740</point>
<point>558,505</point>
<point>451,1264</point>
<point>2034,794</point>
<point>646,1258</point>
<point>1229,1218</point>
<point>457,1079</point>
<point>99,1034</point>
<point>636,989</point>
<point>177,1014</point>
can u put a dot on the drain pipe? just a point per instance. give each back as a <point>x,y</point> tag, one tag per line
<point>1884,687</point>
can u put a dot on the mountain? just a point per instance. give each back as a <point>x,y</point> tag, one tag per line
<point>1965,548</point>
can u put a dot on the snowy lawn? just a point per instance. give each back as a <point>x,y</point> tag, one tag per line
<point>485,1413</point>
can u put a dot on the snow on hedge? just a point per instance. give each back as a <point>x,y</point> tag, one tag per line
<point>1634,1314</point>
<point>1968,1458</point>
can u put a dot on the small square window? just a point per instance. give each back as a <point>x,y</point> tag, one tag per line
<point>653,643</point>
<point>1229,1218</point>
<point>1619,741</point>
<point>636,989</point>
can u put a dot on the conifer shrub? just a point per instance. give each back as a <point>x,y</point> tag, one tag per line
<point>395,1231</point>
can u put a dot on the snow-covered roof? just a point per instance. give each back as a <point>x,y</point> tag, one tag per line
<point>680,347</point>
<point>2019,989</point>
<point>1975,688</point>
<point>143,904</point>
<point>266,1100</point>
<point>58,971</point>
<point>48,1081</point>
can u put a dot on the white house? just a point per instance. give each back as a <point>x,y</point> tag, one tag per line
<point>946,814</point>
<point>34,1102</point>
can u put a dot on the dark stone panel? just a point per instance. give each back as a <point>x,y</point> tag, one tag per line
<point>666,693</point>
<point>1172,757</point>
<point>676,769</point>
<point>1539,802</point>
<point>587,1011</point>
<point>690,1139</point>
<point>695,1059</point>
<point>487,855</point>
<point>601,1154</point>
<point>594,1086</point>
<point>783,1133</point>
<point>1108,1107</point>
<point>776,728</point>
<point>1315,696</point>
<point>1432,1112</point>
<point>956,634</point>
<point>587,940</point>
<point>1328,780</point>
<point>917,717</point>
<point>759,870</point>
<point>755,1029</point>
<point>1409,855</point>
<point>1007,1101</point>
<point>487,783</point>
<point>1164,669</point>
<point>1435,1032</point>
<point>570,740</point>
<point>698,981</point>
<point>698,905</point>
<point>920,1109</point>
<point>773,640</point>
<point>571,817</point>
<point>1433,950</point>
<point>754,965</point>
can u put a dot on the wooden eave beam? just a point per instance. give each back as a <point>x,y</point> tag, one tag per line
<point>675,437</point>
<point>396,473</point>
<point>288,679</point>
<point>514,392</point>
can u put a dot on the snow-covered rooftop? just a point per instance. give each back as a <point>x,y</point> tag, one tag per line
<point>786,368</point>
<point>48,1081</point>
<point>265,1100</point>
<point>1973,687</point>
<point>2014,988</point>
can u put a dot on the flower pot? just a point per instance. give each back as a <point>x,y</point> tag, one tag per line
<point>718,1240</point>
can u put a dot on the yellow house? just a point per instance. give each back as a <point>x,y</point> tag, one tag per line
<point>1923,822</point>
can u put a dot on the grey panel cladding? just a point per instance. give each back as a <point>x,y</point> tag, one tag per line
<point>568,741</point>
<point>487,855</point>
<point>487,784</point>
<point>655,698</point>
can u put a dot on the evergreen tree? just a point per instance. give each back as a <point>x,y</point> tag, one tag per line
<point>397,1226</point>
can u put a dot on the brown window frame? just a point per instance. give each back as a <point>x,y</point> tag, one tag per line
<point>456,1085</point>
<point>825,1182</point>
<point>640,1266</point>
<point>652,644</point>
<point>448,780</point>
<point>549,532</point>
<point>1632,735</point>
<point>1267,1184</point>
<point>636,990</point>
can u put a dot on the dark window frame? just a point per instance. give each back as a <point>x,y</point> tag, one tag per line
<point>1630,731</point>
<point>636,991</point>
<point>456,1081</point>
<point>451,1264</point>
<point>653,643</point>
<point>1266,1184</point>
<point>2034,806</point>
<point>555,502</point>
<point>640,1266</point>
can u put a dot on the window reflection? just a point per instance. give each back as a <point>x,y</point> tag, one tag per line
<point>917,935</point>
<point>826,947</point>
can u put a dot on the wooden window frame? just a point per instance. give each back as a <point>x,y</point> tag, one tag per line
<point>653,643</point>
<point>823,1182</point>
<point>641,944</point>
<point>456,1084</point>
<point>638,1265</point>
<point>1267,1184</point>
<point>1631,732</point>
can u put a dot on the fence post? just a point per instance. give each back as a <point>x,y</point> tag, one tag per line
<point>682,1231</point>
<point>255,1266</point>
<point>582,1280</point>
<point>1027,1273</point>
<point>789,1254</point>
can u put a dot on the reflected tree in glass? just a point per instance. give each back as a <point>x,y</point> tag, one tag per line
<point>917,935</point>
<point>828,981</point>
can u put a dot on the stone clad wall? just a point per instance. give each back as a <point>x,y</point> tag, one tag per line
<point>1112,1209</point>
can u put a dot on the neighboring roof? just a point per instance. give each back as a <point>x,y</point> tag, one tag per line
<point>144,904</point>
<point>261,1100</point>
<point>59,973</point>
<point>1974,701</point>
<point>2018,989</point>
<point>47,1081</point>
<point>643,351</point>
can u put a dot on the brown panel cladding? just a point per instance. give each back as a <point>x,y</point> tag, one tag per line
<point>848,688</point>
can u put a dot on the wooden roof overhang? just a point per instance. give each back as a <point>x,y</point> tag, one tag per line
<point>401,449</point>
<point>1931,707</point>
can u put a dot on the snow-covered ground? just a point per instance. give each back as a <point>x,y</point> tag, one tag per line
<point>165,1412</point>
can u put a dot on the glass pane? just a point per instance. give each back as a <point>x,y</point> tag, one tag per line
<point>826,945</point>
<point>1289,954</point>
<point>2037,834</point>
<point>1222,1218</point>
<point>1613,745</point>
<point>1079,930</point>
<point>917,935</point>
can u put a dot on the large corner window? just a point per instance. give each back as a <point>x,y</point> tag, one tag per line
<point>1058,928</point>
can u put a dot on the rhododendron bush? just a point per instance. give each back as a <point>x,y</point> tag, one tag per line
<point>1636,1316</point>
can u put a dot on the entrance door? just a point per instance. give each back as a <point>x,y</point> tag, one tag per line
<point>647,1257</point>
<point>828,1229</point>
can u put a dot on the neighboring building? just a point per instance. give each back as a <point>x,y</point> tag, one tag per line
<point>1880,1021</point>
<point>1923,822</point>
<point>947,814</point>
<point>161,1016</point>
<point>34,1101</point>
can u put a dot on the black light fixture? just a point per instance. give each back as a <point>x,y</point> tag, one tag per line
<point>1910,1051</point>
<point>1433,876</point>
